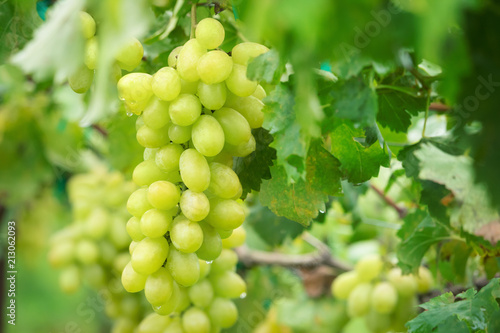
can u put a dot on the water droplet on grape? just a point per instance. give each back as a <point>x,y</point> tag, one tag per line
<point>243,295</point>
<point>129,114</point>
<point>321,211</point>
<point>209,262</point>
<point>121,98</point>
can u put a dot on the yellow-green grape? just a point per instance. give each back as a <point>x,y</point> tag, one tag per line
<point>86,251</point>
<point>225,214</point>
<point>201,294</point>
<point>184,301</point>
<point>224,182</point>
<point>208,136</point>
<point>62,254</point>
<point>155,223</point>
<point>222,312</point>
<point>210,33</point>
<point>223,158</point>
<point>369,267</point>
<point>172,57</point>
<point>189,87</point>
<point>149,255</point>
<point>259,93</point>
<point>116,72</point>
<point>148,172</point>
<point>159,287</point>
<point>243,52</point>
<point>212,96</point>
<point>406,285</point>
<point>204,268</point>
<point>152,138</point>
<point>225,233</point>
<point>150,153</point>
<point>185,110</point>
<point>194,205</point>
<point>238,83</point>
<point>123,325</point>
<point>424,280</point>
<point>188,58</point>
<point>384,297</point>
<point>90,55</point>
<point>81,80</point>
<point>163,195</point>
<point>186,235</point>
<point>120,261</point>
<point>131,280</point>
<point>155,115</point>
<point>249,107</point>
<point>166,84</point>
<point>243,149</point>
<point>135,87</point>
<point>88,25</point>
<point>195,320</point>
<point>378,322</point>
<point>167,157</point>
<point>174,327</point>
<point>194,169</point>
<point>405,310</point>
<point>358,302</point>
<point>228,284</point>
<point>153,323</point>
<point>134,229</point>
<point>132,246</point>
<point>226,261</point>
<point>236,128</point>
<point>95,276</point>
<point>70,279</point>
<point>171,304</point>
<point>236,239</point>
<point>179,134</point>
<point>183,267</point>
<point>97,224</point>
<point>214,67</point>
<point>211,247</point>
<point>130,55</point>
<point>118,234</point>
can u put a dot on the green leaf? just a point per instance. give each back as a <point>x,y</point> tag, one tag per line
<point>395,108</point>
<point>265,67</point>
<point>323,171</point>
<point>494,323</point>
<point>358,163</point>
<point>476,309</point>
<point>452,324</point>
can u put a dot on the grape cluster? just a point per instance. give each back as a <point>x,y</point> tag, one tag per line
<point>94,248</point>
<point>128,58</point>
<point>194,116</point>
<point>386,302</point>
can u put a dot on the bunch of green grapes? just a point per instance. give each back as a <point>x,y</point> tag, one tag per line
<point>194,116</point>
<point>94,248</point>
<point>128,58</point>
<point>385,301</point>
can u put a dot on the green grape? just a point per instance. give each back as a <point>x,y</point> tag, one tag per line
<point>116,73</point>
<point>369,267</point>
<point>174,327</point>
<point>208,136</point>
<point>243,149</point>
<point>214,67</point>
<point>406,309</point>
<point>132,246</point>
<point>223,312</point>
<point>159,287</point>
<point>238,83</point>
<point>194,205</point>
<point>70,279</point>
<point>154,323</point>
<point>223,158</point>
<point>235,126</point>
<point>150,153</point>
<point>189,87</point>
<point>185,109</point>
<point>358,302</point>
<point>212,96</point>
<point>186,236</point>
<point>172,57</point>
<point>95,276</point>
<point>62,253</point>
<point>377,322</point>
<point>406,285</point>
<point>131,280</point>
<point>211,247</point>
<point>108,253</point>
<point>209,33</point>
<point>194,169</point>
<point>344,284</point>
<point>225,233</point>
<point>130,55</point>
<point>184,301</point>
<point>183,267</point>
<point>81,80</point>
<point>90,55</point>
<point>97,224</point>
<point>384,298</point>
<point>147,172</point>
<point>204,268</point>
<point>424,280</point>
<point>195,320</point>
<point>152,138</point>
<point>225,214</point>
<point>243,52</point>
<point>224,182</point>
<point>118,234</point>
<point>171,304</point>
<point>87,252</point>
<point>135,87</point>
<point>149,255</point>
<point>155,115</point>
<point>179,134</point>
<point>123,325</point>
<point>228,284</point>
<point>120,261</point>
<point>166,84</point>
<point>167,157</point>
<point>163,195</point>
<point>188,58</point>
<point>88,25</point>
<point>226,261</point>
<point>236,239</point>
<point>134,229</point>
<point>249,107</point>
<point>201,293</point>
<point>155,223</point>
<point>259,93</point>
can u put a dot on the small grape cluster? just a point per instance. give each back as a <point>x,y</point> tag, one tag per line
<point>94,248</point>
<point>385,303</point>
<point>194,116</point>
<point>128,58</point>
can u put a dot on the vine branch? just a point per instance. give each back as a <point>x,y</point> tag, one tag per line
<point>402,212</point>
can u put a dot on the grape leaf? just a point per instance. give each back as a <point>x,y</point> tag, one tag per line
<point>323,171</point>
<point>476,309</point>
<point>452,324</point>
<point>395,108</point>
<point>265,67</point>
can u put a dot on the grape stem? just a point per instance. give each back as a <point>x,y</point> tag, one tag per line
<point>193,19</point>
<point>402,212</point>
